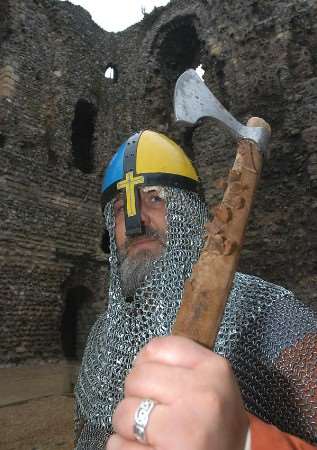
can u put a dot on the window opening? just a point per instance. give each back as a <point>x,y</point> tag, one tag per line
<point>75,321</point>
<point>2,140</point>
<point>179,50</point>
<point>111,73</point>
<point>83,128</point>
<point>200,71</point>
<point>105,242</point>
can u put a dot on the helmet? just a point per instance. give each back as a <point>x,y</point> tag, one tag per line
<point>147,158</point>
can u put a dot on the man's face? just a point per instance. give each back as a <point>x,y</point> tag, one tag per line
<point>137,253</point>
<point>153,218</point>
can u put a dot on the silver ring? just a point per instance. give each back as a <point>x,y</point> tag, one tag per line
<point>141,418</point>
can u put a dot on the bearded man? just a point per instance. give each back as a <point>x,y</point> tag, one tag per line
<point>168,392</point>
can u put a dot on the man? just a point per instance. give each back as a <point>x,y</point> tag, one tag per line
<point>179,394</point>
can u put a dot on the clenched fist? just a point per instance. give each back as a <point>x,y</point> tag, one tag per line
<point>198,403</point>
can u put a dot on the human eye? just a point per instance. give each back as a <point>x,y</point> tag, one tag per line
<point>152,197</point>
<point>155,198</point>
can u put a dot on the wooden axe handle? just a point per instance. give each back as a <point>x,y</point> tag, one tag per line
<point>206,291</point>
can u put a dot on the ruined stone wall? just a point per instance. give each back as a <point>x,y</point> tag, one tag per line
<point>50,216</point>
<point>260,59</point>
<point>61,121</point>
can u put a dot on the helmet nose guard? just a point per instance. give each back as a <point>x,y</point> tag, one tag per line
<point>147,158</point>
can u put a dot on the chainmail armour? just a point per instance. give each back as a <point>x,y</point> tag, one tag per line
<point>267,335</point>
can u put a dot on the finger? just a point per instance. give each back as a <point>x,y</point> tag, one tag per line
<point>123,418</point>
<point>170,427</point>
<point>173,350</point>
<point>163,383</point>
<point>116,442</point>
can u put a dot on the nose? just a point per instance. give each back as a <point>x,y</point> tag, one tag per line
<point>145,213</point>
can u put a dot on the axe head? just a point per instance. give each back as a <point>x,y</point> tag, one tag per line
<point>194,101</point>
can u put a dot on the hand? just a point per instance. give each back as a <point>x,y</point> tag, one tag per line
<point>199,406</point>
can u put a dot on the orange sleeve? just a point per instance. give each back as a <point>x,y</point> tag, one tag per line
<point>268,437</point>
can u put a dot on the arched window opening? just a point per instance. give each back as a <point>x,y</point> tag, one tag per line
<point>111,73</point>
<point>180,49</point>
<point>83,127</point>
<point>77,320</point>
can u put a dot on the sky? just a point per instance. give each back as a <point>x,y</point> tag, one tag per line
<point>117,15</point>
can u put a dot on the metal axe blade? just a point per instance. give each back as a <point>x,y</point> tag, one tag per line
<point>193,101</point>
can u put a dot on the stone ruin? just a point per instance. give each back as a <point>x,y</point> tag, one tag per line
<point>71,92</point>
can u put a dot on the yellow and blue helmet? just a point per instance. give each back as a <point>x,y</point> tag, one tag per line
<point>147,158</point>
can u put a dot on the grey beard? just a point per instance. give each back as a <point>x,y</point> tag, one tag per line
<point>133,271</point>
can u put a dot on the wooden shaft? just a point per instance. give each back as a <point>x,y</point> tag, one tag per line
<point>206,292</point>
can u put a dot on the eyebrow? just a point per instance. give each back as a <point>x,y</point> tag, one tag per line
<point>150,188</point>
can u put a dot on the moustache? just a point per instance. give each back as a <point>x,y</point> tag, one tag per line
<point>148,232</point>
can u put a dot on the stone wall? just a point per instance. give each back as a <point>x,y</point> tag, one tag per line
<point>61,120</point>
<point>50,215</point>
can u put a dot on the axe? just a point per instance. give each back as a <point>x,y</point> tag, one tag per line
<point>206,291</point>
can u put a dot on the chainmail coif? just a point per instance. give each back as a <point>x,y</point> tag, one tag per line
<point>268,336</point>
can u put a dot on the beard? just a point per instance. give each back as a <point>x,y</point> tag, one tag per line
<point>134,269</point>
